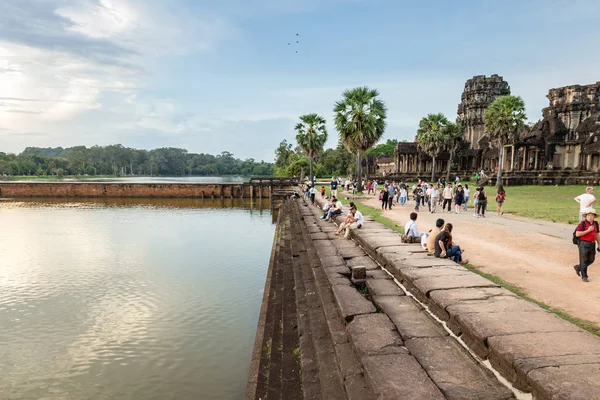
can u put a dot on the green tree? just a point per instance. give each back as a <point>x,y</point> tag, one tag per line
<point>388,148</point>
<point>431,137</point>
<point>360,120</point>
<point>283,153</point>
<point>454,136</point>
<point>311,137</point>
<point>504,118</point>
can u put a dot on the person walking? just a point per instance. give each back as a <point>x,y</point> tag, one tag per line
<point>433,201</point>
<point>500,197</point>
<point>481,202</point>
<point>459,199</point>
<point>467,192</point>
<point>585,201</point>
<point>313,193</point>
<point>403,195</point>
<point>392,193</point>
<point>589,242</point>
<point>447,197</point>
<point>333,186</point>
<point>384,196</point>
<point>477,178</point>
<point>417,193</point>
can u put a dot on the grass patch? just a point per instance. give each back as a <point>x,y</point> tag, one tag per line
<point>589,326</point>
<point>376,215</point>
<point>296,352</point>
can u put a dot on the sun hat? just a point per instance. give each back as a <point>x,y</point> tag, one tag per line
<point>589,211</point>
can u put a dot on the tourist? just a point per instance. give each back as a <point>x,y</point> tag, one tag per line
<point>588,233</point>
<point>477,178</point>
<point>447,197</point>
<point>392,193</point>
<point>313,193</point>
<point>327,206</point>
<point>434,196</point>
<point>417,194</point>
<point>374,187</point>
<point>323,191</point>
<point>335,209</point>
<point>383,196</point>
<point>457,180</point>
<point>467,192</point>
<point>445,248</point>
<point>354,221</point>
<point>411,232</point>
<point>459,199</point>
<point>585,201</point>
<point>475,202</point>
<point>403,195</point>
<point>428,191</point>
<point>369,187</point>
<point>500,197</point>
<point>439,226</point>
<point>481,202</point>
<point>334,186</point>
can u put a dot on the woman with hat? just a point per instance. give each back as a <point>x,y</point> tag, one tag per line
<point>589,234</point>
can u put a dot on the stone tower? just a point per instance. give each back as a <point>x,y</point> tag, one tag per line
<point>480,91</point>
<point>571,105</point>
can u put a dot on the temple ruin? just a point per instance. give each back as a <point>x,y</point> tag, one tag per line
<point>561,148</point>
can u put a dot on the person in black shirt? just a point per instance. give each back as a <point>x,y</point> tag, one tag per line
<point>445,248</point>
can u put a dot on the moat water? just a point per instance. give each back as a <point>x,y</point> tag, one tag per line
<point>130,299</point>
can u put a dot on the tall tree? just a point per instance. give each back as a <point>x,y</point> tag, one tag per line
<point>454,136</point>
<point>504,118</point>
<point>360,120</point>
<point>431,137</point>
<point>311,137</point>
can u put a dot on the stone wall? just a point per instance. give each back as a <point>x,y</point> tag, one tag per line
<point>191,190</point>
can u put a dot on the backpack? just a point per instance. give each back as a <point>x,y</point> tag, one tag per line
<point>576,240</point>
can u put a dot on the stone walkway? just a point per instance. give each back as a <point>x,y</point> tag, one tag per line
<point>535,255</point>
<point>380,342</point>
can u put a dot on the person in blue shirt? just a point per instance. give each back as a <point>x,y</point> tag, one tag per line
<point>392,191</point>
<point>334,185</point>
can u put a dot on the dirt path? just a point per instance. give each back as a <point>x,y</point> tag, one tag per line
<point>535,255</point>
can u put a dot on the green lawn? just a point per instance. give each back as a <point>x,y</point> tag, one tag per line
<point>550,203</point>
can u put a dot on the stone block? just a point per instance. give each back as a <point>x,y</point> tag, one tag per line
<point>399,376</point>
<point>409,318</point>
<point>383,287</point>
<point>357,388</point>
<point>340,271</point>
<point>477,328</point>
<point>426,285</point>
<point>318,236</point>
<point>331,261</point>
<point>378,274</point>
<point>350,252</point>
<point>441,299</point>
<point>454,371</point>
<point>374,334</point>
<point>492,304</point>
<point>364,261</point>
<point>431,262</point>
<point>433,272</point>
<point>573,382</point>
<point>351,302</point>
<point>325,248</point>
<point>359,272</point>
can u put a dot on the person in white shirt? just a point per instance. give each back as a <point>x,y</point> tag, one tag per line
<point>355,220</point>
<point>433,198</point>
<point>467,192</point>
<point>335,209</point>
<point>585,201</point>
<point>313,193</point>
<point>447,197</point>
<point>411,232</point>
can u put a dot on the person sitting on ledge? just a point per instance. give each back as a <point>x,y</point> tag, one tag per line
<point>335,209</point>
<point>439,225</point>
<point>411,232</point>
<point>445,248</point>
<point>354,220</point>
<point>328,204</point>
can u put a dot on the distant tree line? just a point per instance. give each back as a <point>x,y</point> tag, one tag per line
<point>119,160</point>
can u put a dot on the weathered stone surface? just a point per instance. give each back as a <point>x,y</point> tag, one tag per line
<point>399,376</point>
<point>349,364</point>
<point>357,388</point>
<point>573,382</point>
<point>431,262</point>
<point>493,304</point>
<point>383,287</point>
<point>337,279</point>
<point>319,236</point>
<point>454,371</point>
<point>478,327</point>
<point>426,285</point>
<point>351,302</point>
<point>364,261</point>
<point>349,252</point>
<point>402,248</point>
<point>378,274</point>
<point>376,241</point>
<point>325,248</point>
<point>341,271</point>
<point>331,261</point>
<point>433,272</point>
<point>519,354</point>
<point>374,334</point>
<point>441,299</point>
<point>410,319</point>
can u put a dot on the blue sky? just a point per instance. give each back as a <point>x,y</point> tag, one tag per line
<point>219,75</point>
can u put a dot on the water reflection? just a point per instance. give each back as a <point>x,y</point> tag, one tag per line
<point>130,298</point>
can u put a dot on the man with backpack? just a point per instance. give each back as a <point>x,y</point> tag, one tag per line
<point>586,235</point>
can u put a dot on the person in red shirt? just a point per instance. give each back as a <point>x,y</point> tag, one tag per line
<point>589,234</point>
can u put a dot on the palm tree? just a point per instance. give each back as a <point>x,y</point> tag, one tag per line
<point>503,120</point>
<point>360,120</point>
<point>431,137</point>
<point>311,137</point>
<point>454,136</point>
